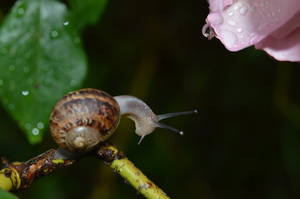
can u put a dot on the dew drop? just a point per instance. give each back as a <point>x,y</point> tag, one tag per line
<point>230,22</point>
<point>25,93</point>
<point>20,12</point>
<point>54,34</point>
<point>230,12</point>
<point>229,38</point>
<point>40,125</point>
<point>73,82</point>
<point>27,126</point>
<point>243,10</point>
<point>11,68</point>
<point>35,131</point>
<point>66,23</point>
<point>237,5</point>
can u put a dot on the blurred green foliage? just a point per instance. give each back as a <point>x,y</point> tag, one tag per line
<point>42,58</point>
<point>6,195</point>
<point>243,144</point>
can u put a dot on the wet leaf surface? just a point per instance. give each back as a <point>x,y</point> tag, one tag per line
<point>41,59</point>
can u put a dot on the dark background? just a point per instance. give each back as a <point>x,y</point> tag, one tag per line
<point>245,141</point>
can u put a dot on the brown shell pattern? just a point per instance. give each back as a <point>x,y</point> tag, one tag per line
<point>85,107</point>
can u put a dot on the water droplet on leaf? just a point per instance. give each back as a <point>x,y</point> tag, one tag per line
<point>66,23</point>
<point>27,126</point>
<point>35,131</point>
<point>73,82</point>
<point>243,10</point>
<point>11,68</point>
<point>54,34</point>
<point>25,93</point>
<point>20,12</point>
<point>40,125</point>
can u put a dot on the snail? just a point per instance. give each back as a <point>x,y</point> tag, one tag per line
<point>84,118</point>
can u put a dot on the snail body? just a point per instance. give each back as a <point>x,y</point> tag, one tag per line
<point>84,118</point>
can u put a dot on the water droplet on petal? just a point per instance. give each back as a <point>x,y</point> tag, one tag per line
<point>237,5</point>
<point>243,10</point>
<point>230,12</point>
<point>35,131</point>
<point>54,34</point>
<point>66,23</point>
<point>25,93</point>
<point>40,125</point>
<point>11,68</point>
<point>228,38</point>
<point>239,30</point>
<point>230,22</point>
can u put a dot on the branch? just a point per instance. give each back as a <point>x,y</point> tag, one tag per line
<point>129,172</point>
<point>16,176</point>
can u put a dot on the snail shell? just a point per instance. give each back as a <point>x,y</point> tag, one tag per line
<point>84,118</point>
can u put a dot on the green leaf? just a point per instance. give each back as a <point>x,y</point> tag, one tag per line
<point>7,195</point>
<point>86,12</point>
<point>41,59</point>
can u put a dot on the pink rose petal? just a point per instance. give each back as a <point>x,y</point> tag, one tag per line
<point>242,23</point>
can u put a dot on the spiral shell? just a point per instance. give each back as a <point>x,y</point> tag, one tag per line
<point>84,118</point>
